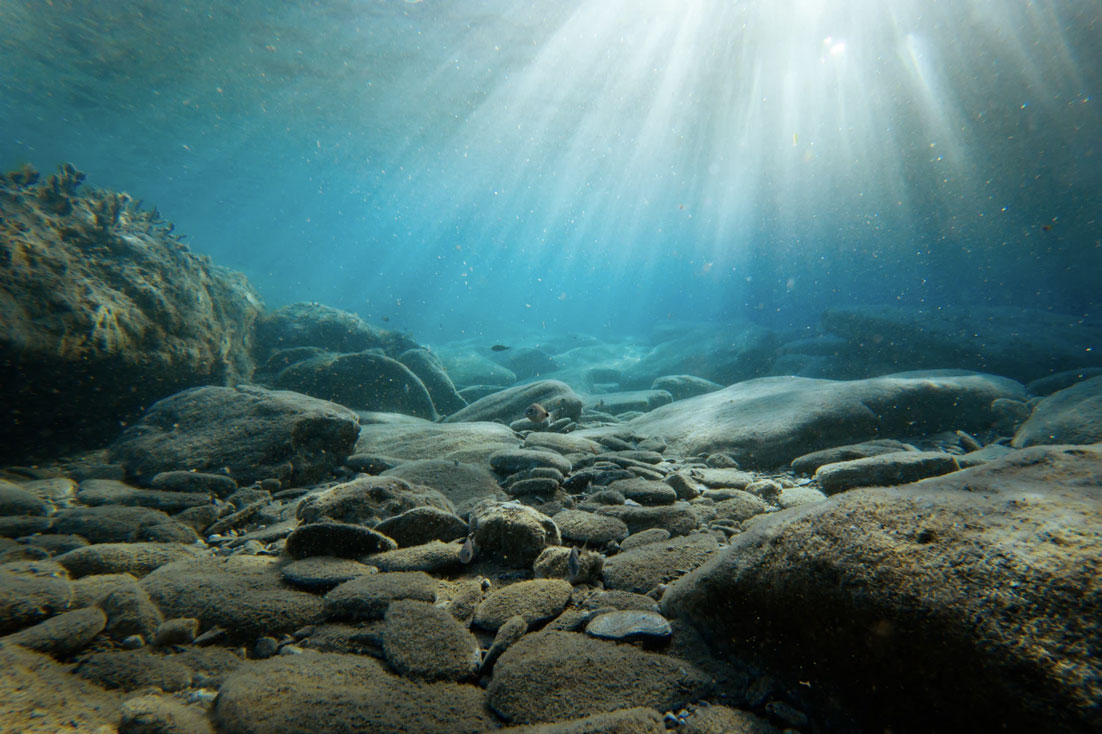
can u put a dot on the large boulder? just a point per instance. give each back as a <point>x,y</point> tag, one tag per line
<point>1021,343</point>
<point>1072,415</point>
<point>250,432</point>
<point>769,421</point>
<point>509,404</point>
<point>102,311</point>
<point>723,353</point>
<point>363,380</point>
<point>326,328</point>
<point>963,602</point>
<point>428,367</point>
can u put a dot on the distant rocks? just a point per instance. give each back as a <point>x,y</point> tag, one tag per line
<point>362,380</point>
<point>102,311</point>
<point>250,432</point>
<point>326,328</point>
<point>1071,415</point>
<point>770,421</point>
<point>510,404</point>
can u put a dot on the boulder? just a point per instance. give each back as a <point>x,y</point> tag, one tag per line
<point>767,422</point>
<point>509,404</point>
<point>430,370</point>
<point>368,500</point>
<point>326,328</point>
<point>103,311</point>
<point>470,443</point>
<point>364,381</point>
<point>424,641</point>
<point>684,386</point>
<point>512,533</point>
<point>551,675</point>
<point>253,433</point>
<point>900,467</point>
<point>1071,415</point>
<point>535,601</point>
<point>526,362</point>
<point>335,692</point>
<point>464,485</point>
<point>954,603</point>
<point>1020,343</point>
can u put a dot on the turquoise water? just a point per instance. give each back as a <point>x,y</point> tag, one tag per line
<point>489,167</point>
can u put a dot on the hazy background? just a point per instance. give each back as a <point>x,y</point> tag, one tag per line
<point>477,167</point>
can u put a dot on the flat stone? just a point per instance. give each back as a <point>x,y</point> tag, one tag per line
<point>467,443</point>
<point>901,467</point>
<point>319,574</point>
<point>63,635</point>
<point>536,601</point>
<point>299,693</point>
<point>1071,415</point>
<point>368,501</point>
<point>14,500</point>
<point>368,597</point>
<point>630,626</point>
<point>739,507</point>
<point>27,599</point>
<point>589,527</point>
<point>551,675</point>
<point>642,569</point>
<point>219,485</point>
<point>343,540</point>
<point>137,559</point>
<point>677,519</point>
<point>433,557</point>
<point>131,670</point>
<point>513,460</point>
<point>808,463</point>
<point>95,492</point>
<point>645,491</point>
<point>509,404</point>
<point>423,524</point>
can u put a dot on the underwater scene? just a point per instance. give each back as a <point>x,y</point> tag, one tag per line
<point>550,367</point>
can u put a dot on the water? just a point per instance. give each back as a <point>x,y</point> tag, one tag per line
<point>491,167</point>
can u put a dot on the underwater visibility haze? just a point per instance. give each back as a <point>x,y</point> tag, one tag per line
<point>462,167</point>
<point>441,366</point>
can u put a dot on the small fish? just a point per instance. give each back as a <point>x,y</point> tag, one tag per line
<point>468,551</point>
<point>536,413</point>
<point>574,563</point>
<point>499,348</point>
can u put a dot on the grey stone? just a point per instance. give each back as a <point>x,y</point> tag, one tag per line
<point>176,631</point>
<point>901,467</point>
<point>421,525</point>
<point>512,533</point>
<point>29,598</point>
<point>684,386</point>
<point>368,501</point>
<point>252,432</point>
<point>326,328</point>
<point>1071,415</point>
<point>430,370</point>
<point>589,527</point>
<point>63,635</point>
<point>14,500</point>
<point>159,714</point>
<point>464,485</point>
<point>767,422</point>
<point>95,492</point>
<point>193,481</point>
<point>322,573</point>
<point>132,670</point>
<point>617,403</point>
<point>677,518</point>
<point>509,404</point>
<point>642,569</point>
<point>433,557</point>
<point>808,463</point>
<point>630,626</point>
<point>645,491</point>
<point>509,461</point>
<point>362,380</point>
<point>137,559</point>
<point>343,540</point>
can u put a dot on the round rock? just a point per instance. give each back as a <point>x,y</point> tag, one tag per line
<point>536,601</point>
<point>343,540</point>
<point>322,573</point>
<point>509,461</point>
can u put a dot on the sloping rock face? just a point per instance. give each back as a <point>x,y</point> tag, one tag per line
<point>770,421</point>
<point>725,354</point>
<point>1071,415</point>
<point>1021,343</point>
<point>102,311</point>
<point>327,328</point>
<point>253,433</point>
<point>960,602</point>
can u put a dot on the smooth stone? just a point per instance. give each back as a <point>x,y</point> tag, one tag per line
<point>808,463</point>
<point>421,525</point>
<point>464,485</point>
<point>316,691</point>
<point>884,470</point>
<point>425,642</point>
<point>368,597</point>
<point>430,370</point>
<point>510,461</point>
<point>645,491</point>
<point>319,574</point>
<point>767,422</point>
<point>617,599</point>
<point>1072,415</point>
<point>1061,380</point>
<point>219,485</point>
<point>643,537</point>
<point>508,633</point>
<point>642,569</point>
<point>554,563</point>
<point>468,443</point>
<point>315,325</point>
<point>27,598</point>
<point>552,675</point>
<point>563,443</point>
<point>132,670</point>
<point>509,404</point>
<point>244,595</point>
<point>740,507</point>
<point>252,432</point>
<point>434,557</point>
<point>14,500</point>
<point>589,527</point>
<point>130,612</point>
<point>114,524</point>
<point>684,386</point>
<point>630,626</point>
<point>339,539</point>
<point>536,601</point>
<point>63,635</point>
<point>677,518</point>
<point>137,559</point>
<point>177,631</point>
<point>618,403</point>
<point>20,526</point>
<point>798,496</point>
<point>722,477</point>
<point>95,492</point>
<point>368,501</point>
<point>533,486</point>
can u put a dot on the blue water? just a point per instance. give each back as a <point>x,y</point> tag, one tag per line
<point>469,168</point>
